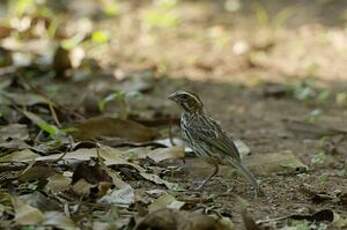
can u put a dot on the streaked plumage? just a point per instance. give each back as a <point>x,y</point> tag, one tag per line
<point>205,136</point>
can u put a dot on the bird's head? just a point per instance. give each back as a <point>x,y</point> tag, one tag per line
<point>189,102</point>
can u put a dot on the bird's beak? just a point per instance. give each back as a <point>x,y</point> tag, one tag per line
<point>172,96</point>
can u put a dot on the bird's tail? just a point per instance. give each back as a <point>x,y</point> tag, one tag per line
<point>246,173</point>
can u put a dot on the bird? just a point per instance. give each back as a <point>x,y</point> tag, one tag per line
<point>206,137</point>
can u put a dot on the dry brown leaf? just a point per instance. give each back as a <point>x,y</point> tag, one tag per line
<point>165,201</point>
<point>161,154</point>
<point>13,131</point>
<point>61,61</point>
<point>25,214</point>
<point>111,156</point>
<point>58,220</point>
<point>89,174</point>
<point>13,136</point>
<point>157,154</point>
<point>170,219</point>
<point>15,144</point>
<point>99,127</point>
<point>5,31</point>
<point>123,197</point>
<point>58,183</point>
<point>25,155</point>
<point>91,171</point>
<point>82,187</point>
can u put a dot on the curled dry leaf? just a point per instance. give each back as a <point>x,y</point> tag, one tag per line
<point>90,175</point>
<point>91,172</point>
<point>98,127</point>
<point>161,154</point>
<point>123,197</point>
<point>156,179</point>
<point>111,156</point>
<point>58,220</point>
<point>157,154</point>
<point>165,201</point>
<point>82,188</point>
<point>170,219</point>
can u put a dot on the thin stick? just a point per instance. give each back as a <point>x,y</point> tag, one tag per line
<point>54,115</point>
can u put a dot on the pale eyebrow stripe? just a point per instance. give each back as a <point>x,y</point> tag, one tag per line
<point>191,94</point>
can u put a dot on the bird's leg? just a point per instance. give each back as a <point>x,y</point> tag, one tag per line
<point>215,171</point>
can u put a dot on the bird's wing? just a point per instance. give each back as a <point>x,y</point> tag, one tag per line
<point>213,135</point>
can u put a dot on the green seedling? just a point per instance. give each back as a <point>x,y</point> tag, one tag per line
<point>319,158</point>
<point>100,37</point>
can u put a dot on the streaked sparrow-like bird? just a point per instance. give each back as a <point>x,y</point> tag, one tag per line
<point>206,137</point>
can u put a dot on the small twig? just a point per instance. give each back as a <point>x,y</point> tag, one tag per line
<point>272,220</point>
<point>29,166</point>
<point>54,115</point>
<point>60,157</point>
<point>66,210</point>
<point>12,164</point>
<point>37,138</point>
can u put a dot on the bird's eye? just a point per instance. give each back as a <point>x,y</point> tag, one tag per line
<point>185,96</point>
